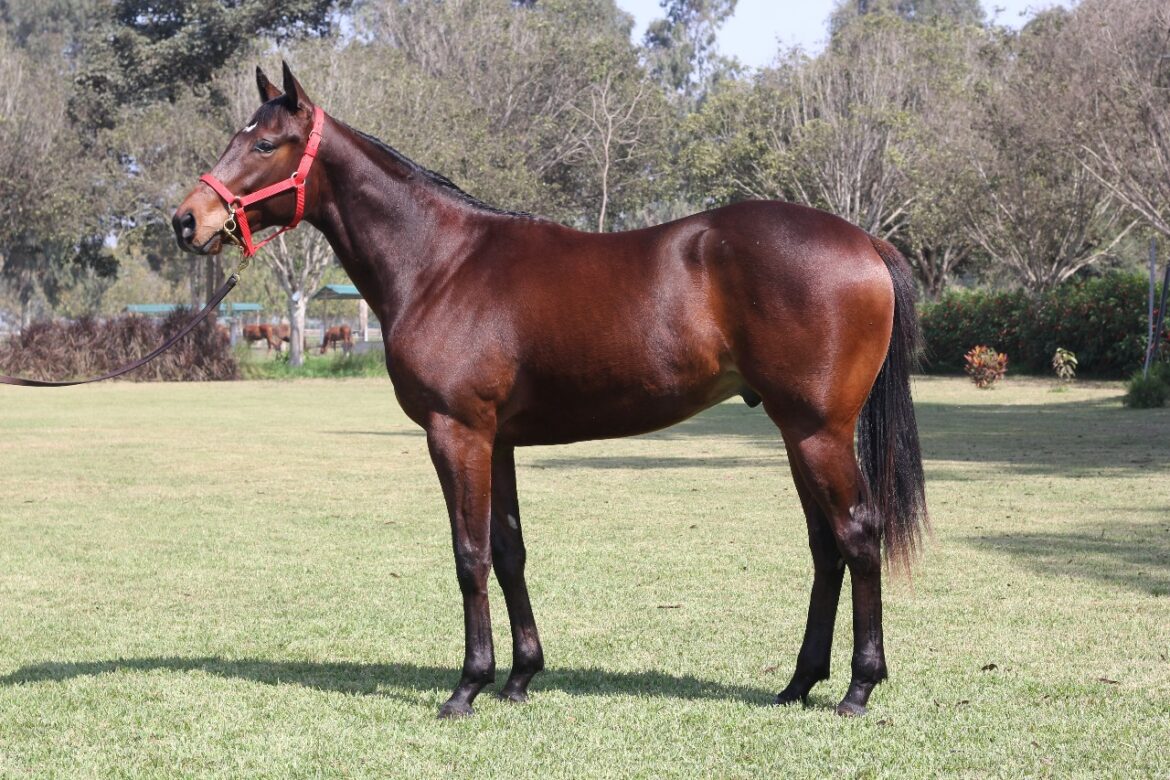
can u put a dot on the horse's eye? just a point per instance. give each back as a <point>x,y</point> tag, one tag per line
<point>264,147</point>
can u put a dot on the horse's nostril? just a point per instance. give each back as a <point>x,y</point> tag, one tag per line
<point>184,225</point>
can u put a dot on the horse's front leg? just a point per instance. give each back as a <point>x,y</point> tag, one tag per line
<point>463,460</point>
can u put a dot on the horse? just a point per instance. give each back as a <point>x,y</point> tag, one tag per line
<point>340,334</point>
<point>281,333</point>
<point>261,332</point>
<point>503,329</point>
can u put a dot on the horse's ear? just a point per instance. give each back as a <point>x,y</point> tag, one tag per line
<point>294,93</point>
<point>268,90</point>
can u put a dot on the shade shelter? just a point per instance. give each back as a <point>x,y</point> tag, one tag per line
<point>348,292</point>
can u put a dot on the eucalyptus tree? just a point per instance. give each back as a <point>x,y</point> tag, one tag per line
<point>680,47</point>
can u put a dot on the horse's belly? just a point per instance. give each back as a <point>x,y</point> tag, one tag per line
<point>562,416</point>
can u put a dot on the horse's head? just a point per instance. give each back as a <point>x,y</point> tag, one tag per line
<point>261,155</point>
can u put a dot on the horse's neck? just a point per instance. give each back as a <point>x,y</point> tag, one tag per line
<point>386,225</point>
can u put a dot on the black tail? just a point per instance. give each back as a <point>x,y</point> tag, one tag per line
<point>887,433</point>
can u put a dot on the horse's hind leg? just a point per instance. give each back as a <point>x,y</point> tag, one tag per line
<point>812,663</point>
<point>827,462</point>
<point>508,561</point>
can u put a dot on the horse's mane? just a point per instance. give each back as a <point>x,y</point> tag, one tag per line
<point>439,179</point>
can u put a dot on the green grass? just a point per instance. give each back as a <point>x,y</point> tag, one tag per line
<point>256,364</point>
<point>254,579</point>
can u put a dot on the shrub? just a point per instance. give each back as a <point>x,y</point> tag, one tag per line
<point>1102,320</point>
<point>1064,363</point>
<point>89,347</point>
<point>1147,392</point>
<point>985,366</point>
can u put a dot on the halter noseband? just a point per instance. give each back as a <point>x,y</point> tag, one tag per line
<point>236,204</point>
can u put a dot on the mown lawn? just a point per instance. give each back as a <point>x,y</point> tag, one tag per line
<point>254,579</point>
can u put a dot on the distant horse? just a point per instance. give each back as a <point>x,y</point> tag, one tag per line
<point>503,330</point>
<point>340,334</point>
<point>262,332</point>
<point>280,332</point>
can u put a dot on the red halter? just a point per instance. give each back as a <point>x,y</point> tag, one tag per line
<point>236,203</point>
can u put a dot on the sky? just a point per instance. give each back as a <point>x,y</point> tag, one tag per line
<point>753,33</point>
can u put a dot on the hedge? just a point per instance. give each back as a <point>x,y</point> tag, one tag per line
<point>1102,320</point>
<point>90,347</point>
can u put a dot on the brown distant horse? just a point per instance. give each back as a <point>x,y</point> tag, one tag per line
<point>504,330</point>
<point>262,332</point>
<point>340,334</point>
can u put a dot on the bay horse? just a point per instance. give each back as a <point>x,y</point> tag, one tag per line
<point>340,334</point>
<point>505,330</point>
<point>262,332</point>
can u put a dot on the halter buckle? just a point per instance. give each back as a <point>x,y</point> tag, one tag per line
<point>230,226</point>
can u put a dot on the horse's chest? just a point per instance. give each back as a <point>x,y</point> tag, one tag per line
<point>448,376</point>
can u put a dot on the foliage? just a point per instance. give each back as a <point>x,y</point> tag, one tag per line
<point>339,364</point>
<point>148,51</point>
<point>49,234</point>
<point>1149,391</point>
<point>985,366</point>
<point>570,64</point>
<point>680,48</point>
<point>835,132</point>
<point>89,347</point>
<point>1118,54</point>
<point>1064,363</point>
<point>1036,208</point>
<point>1102,320</point>
<point>931,12</point>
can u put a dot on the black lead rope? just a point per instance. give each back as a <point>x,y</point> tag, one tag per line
<point>220,294</point>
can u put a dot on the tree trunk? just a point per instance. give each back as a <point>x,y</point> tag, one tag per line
<point>296,329</point>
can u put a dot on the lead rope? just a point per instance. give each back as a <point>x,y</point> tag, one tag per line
<point>219,295</point>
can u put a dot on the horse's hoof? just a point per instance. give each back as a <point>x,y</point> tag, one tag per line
<point>516,697</point>
<point>453,710</point>
<point>848,709</point>
<point>789,696</point>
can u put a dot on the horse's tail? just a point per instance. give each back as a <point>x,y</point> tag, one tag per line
<point>887,433</point>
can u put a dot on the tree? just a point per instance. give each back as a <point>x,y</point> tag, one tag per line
<point>824,132</point>
<point>299,260</point>
<point>1120,64</point>
<point>1040,213</point>
<point>147,51</point>
<point>931,12</point>
<point>614,134</point>
<point>950,69</point>
<point>43,175</point>
<point>536,104</point>
<point>680,48</point>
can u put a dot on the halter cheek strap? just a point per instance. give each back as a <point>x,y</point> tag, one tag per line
<point>236,204</point>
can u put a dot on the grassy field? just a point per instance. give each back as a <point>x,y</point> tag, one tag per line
<point>254,579</point>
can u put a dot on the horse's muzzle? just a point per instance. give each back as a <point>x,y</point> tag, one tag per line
<point>185,227</point>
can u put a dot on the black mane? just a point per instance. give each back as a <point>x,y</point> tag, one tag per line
<point>439,179</point>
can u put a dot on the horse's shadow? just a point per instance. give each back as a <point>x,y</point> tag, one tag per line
<point>392,680</point>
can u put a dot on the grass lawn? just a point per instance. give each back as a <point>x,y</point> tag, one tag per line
<point>254,579</point>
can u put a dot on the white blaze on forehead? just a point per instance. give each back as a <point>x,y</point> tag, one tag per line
<point>249,128</point>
